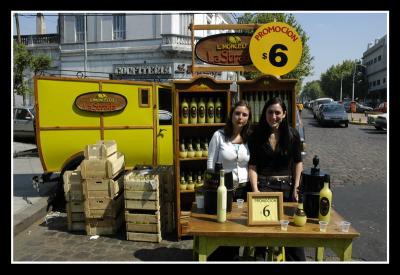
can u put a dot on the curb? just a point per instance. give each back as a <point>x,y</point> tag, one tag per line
<point>29,216</point>
<point>357,123</point>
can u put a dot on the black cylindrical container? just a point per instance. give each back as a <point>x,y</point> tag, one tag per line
<point>211,183</point>
<point>311,184</point>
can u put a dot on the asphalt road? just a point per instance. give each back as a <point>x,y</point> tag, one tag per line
<point>355,157</point>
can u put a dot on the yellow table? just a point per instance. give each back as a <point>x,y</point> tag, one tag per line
<point>208,234</point>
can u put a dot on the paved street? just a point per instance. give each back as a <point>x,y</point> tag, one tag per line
<point>355,157</point>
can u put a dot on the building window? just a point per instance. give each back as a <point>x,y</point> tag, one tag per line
<point>378,82</point>
<point>384,80</point>
<point>374,83</point>
<point>375,60</point>
<point>119,27</point>
<point>79,28</point>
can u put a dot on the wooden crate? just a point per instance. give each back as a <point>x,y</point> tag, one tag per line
<point>142,204</point>
<point>101,150</point>
<point>167,198</point>
<point>104,207</point>
<point>75,220</point>
<point>133,181</point>
<point>134,217</point>
<point>103,168</point>
<point>143,237</point>
<point>75,206</point>
<point>107,188</point>
<point>107,226</point>
<point>73,185</point>
<point>141,195</point>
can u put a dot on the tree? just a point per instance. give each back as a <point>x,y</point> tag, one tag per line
<point>330,80</point>
<point>304,68</point>
<point>312,90</point>
<point>23,61</point>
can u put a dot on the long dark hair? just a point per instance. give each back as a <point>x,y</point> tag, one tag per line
<point>228,129</point>
<point>264,130</point>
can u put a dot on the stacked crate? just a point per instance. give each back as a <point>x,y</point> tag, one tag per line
<point>142,206</point>
<point>75,200</point>
<point>102,173</point>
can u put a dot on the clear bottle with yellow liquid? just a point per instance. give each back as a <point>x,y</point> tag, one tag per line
<point>190,183</point>
<point>183,184</point>
<point>184,112</point>
<point>197,147</point>
<point>193,111</point>
<point>300,217</point>
<point>210,111</point>
<point>325,201</point>
<point>221,198</point>
<point>201,111</point>
<point>218,111</point>
<point>182,149</point>
<point>190,151</point>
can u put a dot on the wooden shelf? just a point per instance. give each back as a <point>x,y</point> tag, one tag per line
<point>187,191</point>
<point>191,159</point>
<point>202,125</point>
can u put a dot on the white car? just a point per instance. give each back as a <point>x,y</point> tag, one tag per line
<point>381,122</point>
<point>24,118</point>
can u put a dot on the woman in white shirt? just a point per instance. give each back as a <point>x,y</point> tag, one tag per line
<point>229,146</point>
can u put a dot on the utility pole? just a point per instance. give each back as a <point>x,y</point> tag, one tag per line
<point>341,80</point>
<point>17,27</point>
<point>85,44</point>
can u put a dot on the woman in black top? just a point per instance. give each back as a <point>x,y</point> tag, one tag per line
<point>275,159</point>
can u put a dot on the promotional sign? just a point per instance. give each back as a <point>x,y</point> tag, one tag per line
<point>276,48</point>
<point>265,208</point>
<point>226,49</point>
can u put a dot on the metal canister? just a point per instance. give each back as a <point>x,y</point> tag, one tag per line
<point>312,181</point>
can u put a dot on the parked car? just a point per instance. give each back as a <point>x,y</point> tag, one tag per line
<point>382,107</point>
<point>380,122</point>
<point>24,121</point>
<point>333,114</point>
<point>319,101</point>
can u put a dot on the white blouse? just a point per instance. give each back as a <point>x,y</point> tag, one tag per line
<point>234,157</point>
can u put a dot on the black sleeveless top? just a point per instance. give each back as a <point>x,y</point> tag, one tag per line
<point>278,162</point>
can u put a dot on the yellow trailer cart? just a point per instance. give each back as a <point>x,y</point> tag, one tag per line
<point>71,113</point>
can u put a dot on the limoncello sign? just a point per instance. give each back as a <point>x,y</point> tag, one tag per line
<point>275,48</point>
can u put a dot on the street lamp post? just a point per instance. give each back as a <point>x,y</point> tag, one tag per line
<point>341,80</point>
<point>354,74</point>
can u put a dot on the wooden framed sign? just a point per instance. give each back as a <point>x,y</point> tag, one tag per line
<point>265,208</point>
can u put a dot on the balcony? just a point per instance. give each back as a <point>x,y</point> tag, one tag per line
<point>177,43</point>
<point>39,39</point>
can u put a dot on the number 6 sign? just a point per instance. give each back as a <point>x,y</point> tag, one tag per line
<point>265,208</point>
<point>275,48</point>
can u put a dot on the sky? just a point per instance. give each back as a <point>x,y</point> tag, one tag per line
<point>333,37</point>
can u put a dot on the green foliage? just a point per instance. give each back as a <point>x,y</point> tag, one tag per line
<point>24,60</point>
<point>330,81</point>
<point>304,68</point>
<point>312,90</point>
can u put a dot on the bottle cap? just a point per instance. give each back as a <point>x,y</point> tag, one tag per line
<point>327,178</point>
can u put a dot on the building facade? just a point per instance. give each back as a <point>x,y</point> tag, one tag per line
<point>132,46</point>
<point>375,60</point>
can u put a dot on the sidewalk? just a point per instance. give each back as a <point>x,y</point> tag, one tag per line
<point>28,204</point>
<point>357,118</point>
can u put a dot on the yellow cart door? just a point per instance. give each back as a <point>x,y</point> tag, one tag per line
<point>164,126</point>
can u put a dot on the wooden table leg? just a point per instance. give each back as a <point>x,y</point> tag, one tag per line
<point>319,253</point>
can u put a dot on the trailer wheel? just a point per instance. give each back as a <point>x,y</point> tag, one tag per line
<point>56,201</point>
